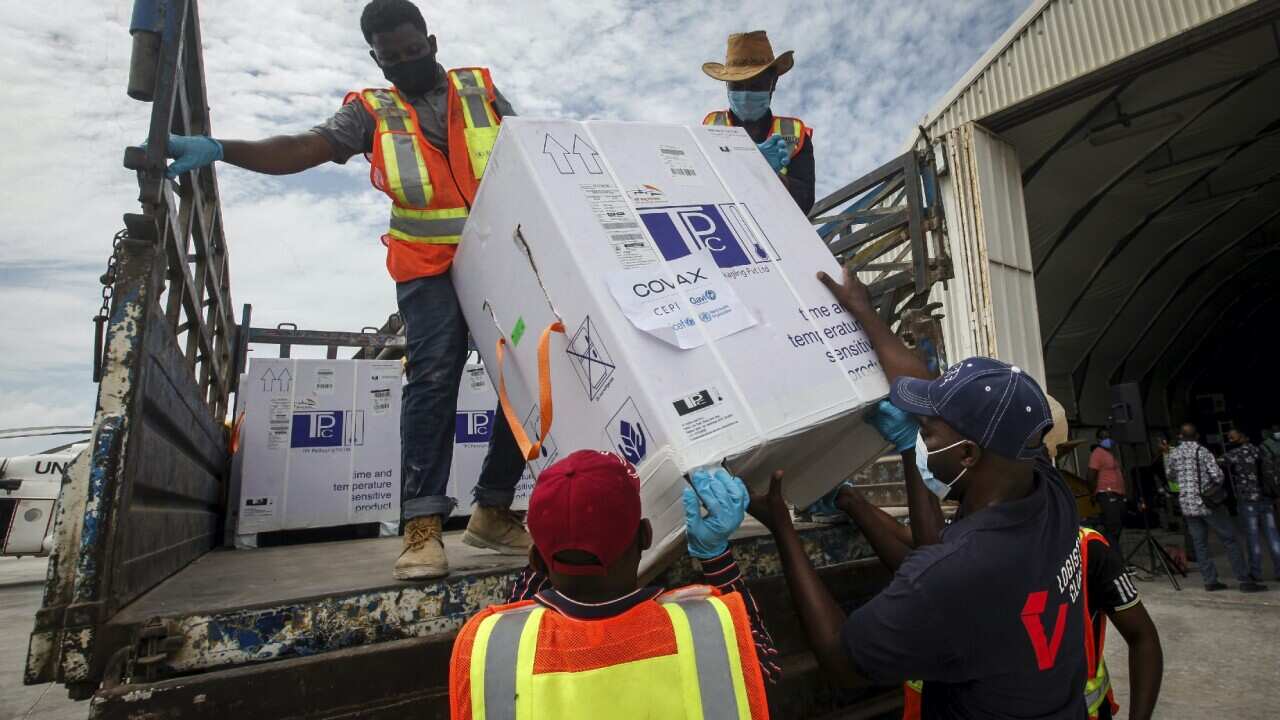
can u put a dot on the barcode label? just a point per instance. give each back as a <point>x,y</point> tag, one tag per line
<point>671,151</point>
<point>624,237</point>
<point>683,171</point>
<point>619,225</point>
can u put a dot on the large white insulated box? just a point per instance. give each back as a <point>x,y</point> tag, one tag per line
<point>695,331</point>
<point>472,429</point>
<point>319,444</point>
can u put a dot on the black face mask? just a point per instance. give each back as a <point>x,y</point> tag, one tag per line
<point>414,77</point>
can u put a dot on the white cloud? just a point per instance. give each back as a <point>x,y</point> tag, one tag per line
<point>304,249</point>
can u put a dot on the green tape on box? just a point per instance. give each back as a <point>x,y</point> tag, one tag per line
<point>517,332</point>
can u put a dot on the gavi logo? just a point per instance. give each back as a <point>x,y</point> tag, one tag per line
<point>726,230</point>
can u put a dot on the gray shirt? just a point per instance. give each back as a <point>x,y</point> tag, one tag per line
<point>350,130</point>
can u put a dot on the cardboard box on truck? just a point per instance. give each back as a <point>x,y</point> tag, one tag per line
<point>472,430</point>
<point>319,444</point>
<point>694,329</point>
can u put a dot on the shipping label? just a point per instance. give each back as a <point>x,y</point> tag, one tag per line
<point>703,412</point>
<point>620,225</point>
<point>684,304</point>
<point>679,165</point>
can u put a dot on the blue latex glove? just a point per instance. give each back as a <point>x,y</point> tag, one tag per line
<point>896,426</point>
<point>777,151</point>
<point>190,152</point>
<point>726,501</point>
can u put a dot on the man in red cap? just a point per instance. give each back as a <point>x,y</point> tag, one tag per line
<point>598,644</point>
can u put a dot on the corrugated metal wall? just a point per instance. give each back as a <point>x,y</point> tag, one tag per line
<point>1061,40</point>
<point>990,306</point>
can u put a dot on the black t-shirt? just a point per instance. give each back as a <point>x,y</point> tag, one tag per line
<point>991,618</point>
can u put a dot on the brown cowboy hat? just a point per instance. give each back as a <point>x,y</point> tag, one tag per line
<point>749,54</point>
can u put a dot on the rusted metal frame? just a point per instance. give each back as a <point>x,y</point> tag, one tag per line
<point>1125,240</point>
<point>857,187</point>
<point>1139,341</point>
<point>1200,304</point>
<point>1084,211</point>
<point>870,232</point>
<point>877,198</point>
<point>325,338</point>
<point>858,216</point>
<point>915,222</point>
<point>114,447</point>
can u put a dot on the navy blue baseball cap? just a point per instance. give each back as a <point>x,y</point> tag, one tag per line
<point>992,403</point>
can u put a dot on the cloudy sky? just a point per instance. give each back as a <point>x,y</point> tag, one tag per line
<point>304,249</point>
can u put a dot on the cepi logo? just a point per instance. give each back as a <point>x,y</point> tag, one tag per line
<point>726,230</point>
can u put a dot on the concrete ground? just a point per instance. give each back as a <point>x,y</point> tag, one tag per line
<point>1222,650</point>
<point>21,583</point>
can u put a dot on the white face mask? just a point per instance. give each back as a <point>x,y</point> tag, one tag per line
<point>936,486</point>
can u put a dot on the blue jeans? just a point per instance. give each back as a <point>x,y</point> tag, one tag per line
<point>1259,523</point>
<point>1221,524</point>
<point>436,346</point>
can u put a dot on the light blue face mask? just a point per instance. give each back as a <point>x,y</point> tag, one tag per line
<point>936,486</point>
<point>750,104</point>
<point>1106,443</point>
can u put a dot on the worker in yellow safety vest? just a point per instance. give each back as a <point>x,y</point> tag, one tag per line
<point>750,72</point>
<point>596,643</point>
<point>427,138</point>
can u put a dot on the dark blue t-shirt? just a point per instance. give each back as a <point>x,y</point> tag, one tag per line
<point>991,619</point>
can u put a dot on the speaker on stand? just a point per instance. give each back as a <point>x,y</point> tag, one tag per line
<point>1129,426</point>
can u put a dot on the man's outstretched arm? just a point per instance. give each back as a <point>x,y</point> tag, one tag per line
<point>895,358</point>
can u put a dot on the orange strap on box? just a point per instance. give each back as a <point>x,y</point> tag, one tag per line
<point>529,449</point>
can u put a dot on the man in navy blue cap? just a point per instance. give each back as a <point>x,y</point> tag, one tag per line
<point>986,611</point>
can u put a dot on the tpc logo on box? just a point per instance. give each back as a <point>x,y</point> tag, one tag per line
<point>727,231</point>
<point>327,428</point>
<point>473,426</point>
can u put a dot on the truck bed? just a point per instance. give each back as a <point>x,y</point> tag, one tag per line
<point>267,577</point>
<point>322,631</point>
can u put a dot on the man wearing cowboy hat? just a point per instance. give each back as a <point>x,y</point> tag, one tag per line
<point>750,71</point>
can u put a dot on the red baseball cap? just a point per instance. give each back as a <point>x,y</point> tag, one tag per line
<point>589,501</point>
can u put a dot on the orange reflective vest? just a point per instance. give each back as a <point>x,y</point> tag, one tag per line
<point>791,129</point>
<point>687,654</point>
<point>1097,687</point>
<point>431,193</point>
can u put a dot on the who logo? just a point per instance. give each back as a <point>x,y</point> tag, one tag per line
<point>728,231</point>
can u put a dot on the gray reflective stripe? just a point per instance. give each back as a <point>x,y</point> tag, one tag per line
<point>500,665</point>
<point>1094,699</point>
<point>397,120</point>
<point>474,96</point>
<point>411,180</point>
<point>421,227</point>
<point>715,678</point>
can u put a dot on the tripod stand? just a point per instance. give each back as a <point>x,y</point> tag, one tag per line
<point>1155,551</point>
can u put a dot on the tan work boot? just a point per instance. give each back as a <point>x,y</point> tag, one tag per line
<point>497,529</point>
<point>423,555</point>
